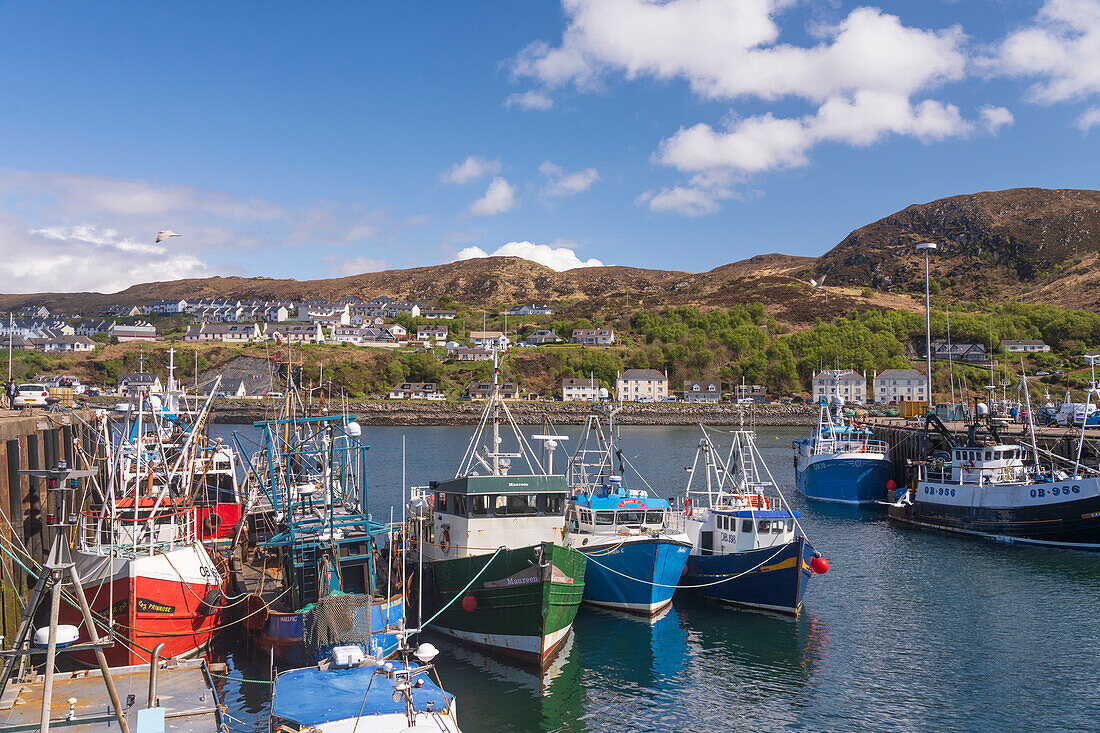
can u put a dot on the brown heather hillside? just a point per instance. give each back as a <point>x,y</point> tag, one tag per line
<point>1030,243</point>
<point>1034,244</point>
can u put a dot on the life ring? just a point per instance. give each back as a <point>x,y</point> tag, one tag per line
<point>445,541</point>
<point>211,523</point>
<point>689,506</point>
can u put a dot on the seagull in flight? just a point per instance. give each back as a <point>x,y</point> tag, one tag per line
<point>820,285</point>
<point>166,234</point>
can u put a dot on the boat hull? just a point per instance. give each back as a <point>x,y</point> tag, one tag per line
<point>848,478</point>
<point>519,608</point>
<point>637,575</point>
<point>159,598</point>
<point>1072,524</point>
<point>772,579</point>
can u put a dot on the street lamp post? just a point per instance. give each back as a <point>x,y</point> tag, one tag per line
<point>926,246</point>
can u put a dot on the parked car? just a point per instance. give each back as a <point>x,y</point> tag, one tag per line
<point>644,398</point>
<point>669,398</point>
<point>31,395</point>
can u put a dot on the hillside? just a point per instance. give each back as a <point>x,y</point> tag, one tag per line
<point>1033,244</point>
<point>1025,243</point>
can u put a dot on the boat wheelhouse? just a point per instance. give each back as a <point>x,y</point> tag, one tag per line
<point>497,574</point>
<point>840,461</point>
<point>636,551</point>
<point>985,487</point>
<point>748,546</point>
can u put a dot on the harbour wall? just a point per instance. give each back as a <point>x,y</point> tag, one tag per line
<point>399,412</point>
<point>33,440</point>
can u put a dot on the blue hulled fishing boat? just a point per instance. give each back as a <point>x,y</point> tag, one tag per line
<point>635,556</point>
<point>749,548</point>
<point>840,461</point>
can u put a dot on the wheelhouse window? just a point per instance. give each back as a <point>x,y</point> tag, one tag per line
<point>746,525</point>
<point>605,518</point>
<point>479,505</point>
<point>764,526</point>
<point>516,505</point>
<point>630,517</point>
<point>441,502</point>
<point>458,505</point>
<point>552,503</point>
<point>655,518</point>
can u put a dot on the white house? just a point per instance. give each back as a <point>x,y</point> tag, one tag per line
<point>132,331</point>
<point>893,386</point>
<point>580,390</point>
<point>436,315</point>
<point>132,383</point>
<point>593,336</point>
<point>544,336</point>
<point>1025,347</point>
<point>464,354</point>
<point>641,385</point>
<point>238,333</point>
<point>490,340</point>
<point>706,391</point>
<point>414,391</point>
<point>67,344</point>
<point>852,386</point>
<point>432,333</point>
<point>300,333</point>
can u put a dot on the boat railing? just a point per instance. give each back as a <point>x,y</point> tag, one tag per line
<point>102,534</point>
<point>984,475</point>
<point>825,446</point>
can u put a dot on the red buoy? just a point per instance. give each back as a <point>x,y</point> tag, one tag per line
<point>891,485</point>
<point>469,603</point>
<point>819,565</point>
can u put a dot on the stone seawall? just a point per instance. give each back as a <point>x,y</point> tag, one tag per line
<point>531,413</point>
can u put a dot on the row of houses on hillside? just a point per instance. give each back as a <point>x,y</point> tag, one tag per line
<point>140,331</point>
<point>650,385</point>
<point>890,387</point>
<point>431,391</point>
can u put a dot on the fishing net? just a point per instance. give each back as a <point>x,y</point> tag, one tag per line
<point>337,620</point>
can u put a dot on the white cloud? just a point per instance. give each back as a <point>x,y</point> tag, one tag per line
<point>60,259</point>
<point>994,118</point>
<point>1061,48</point>
<point>765,143</point>
<point>499,197</point>
<point>74,232</point>
<point>355,265</point>
<point>692,200</point>
<point>560,184</point>
<point>473,168</point>
<point>529,100</point>
<point>556,258</point>
<point>861,80</point>
<point>1089,119</point>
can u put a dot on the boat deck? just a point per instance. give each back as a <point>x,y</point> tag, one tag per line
<point>185,690</point>
<point>253,576</point>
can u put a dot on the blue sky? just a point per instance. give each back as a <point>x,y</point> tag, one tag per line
<point>295,140</point>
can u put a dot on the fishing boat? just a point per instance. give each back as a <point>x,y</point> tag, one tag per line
<point>635,555</point>
<point>350,692</point>
<point>313,579</point>
<point>840,461</point>
<point>984,486</point>
<point>145,572</point>
<point>748,546</point>
<point>489,546</point>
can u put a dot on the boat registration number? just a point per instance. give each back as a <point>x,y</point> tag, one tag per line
<point>1055,491</point>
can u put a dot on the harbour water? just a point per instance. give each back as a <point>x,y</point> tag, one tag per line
<point>907,631</point>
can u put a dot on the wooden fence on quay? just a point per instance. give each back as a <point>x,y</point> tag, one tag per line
<point>33,440</point>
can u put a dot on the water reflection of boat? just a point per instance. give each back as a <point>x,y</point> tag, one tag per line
<point>655,647</point>
<point>520,699</point>
<point>758,644</point>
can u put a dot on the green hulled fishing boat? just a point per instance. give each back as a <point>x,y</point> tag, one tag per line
<point>488,545</point>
